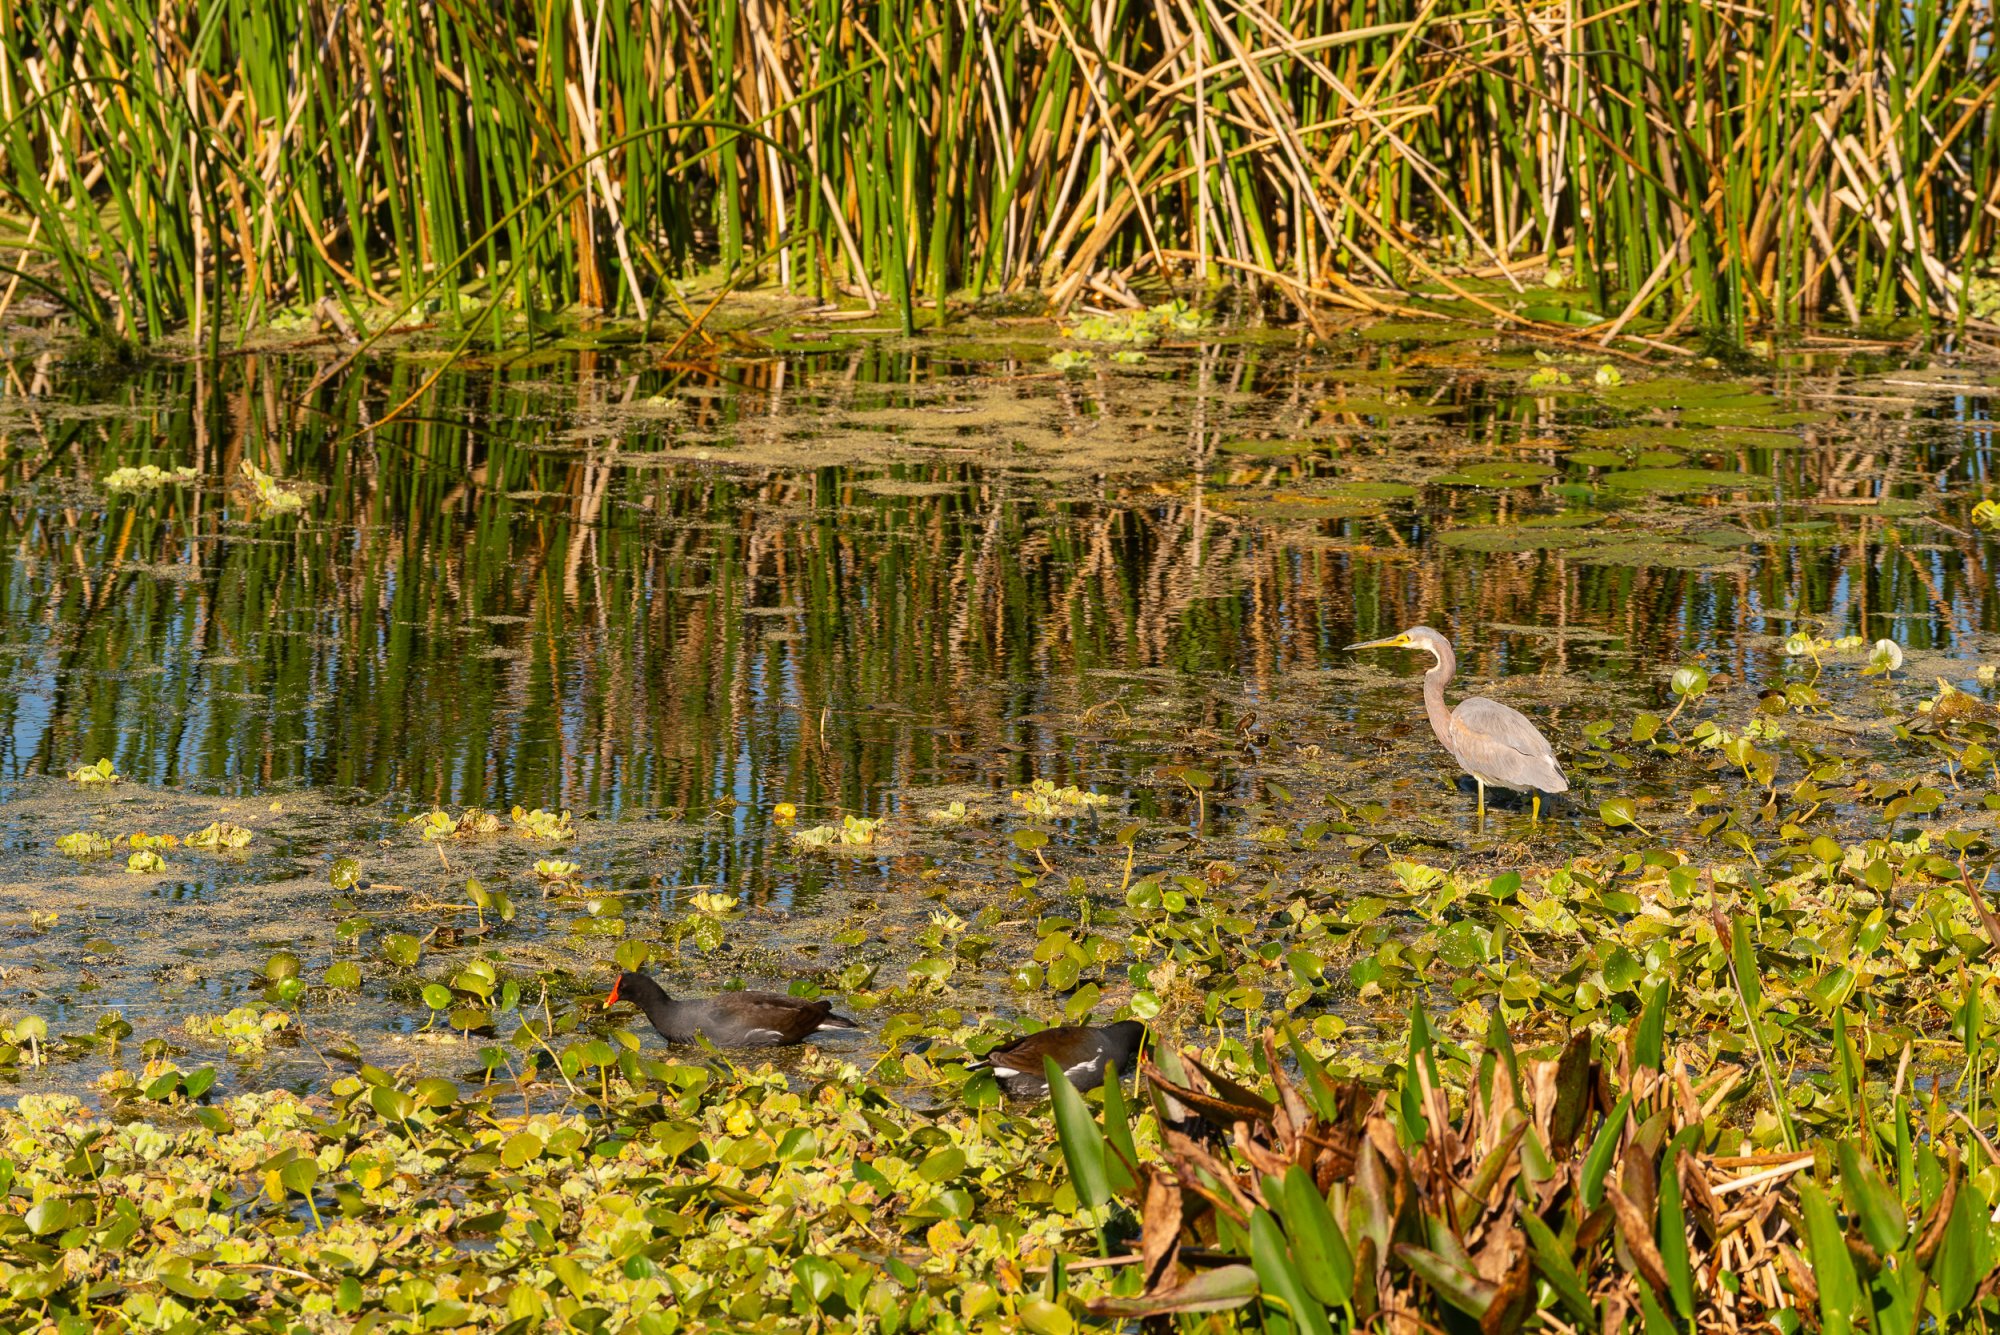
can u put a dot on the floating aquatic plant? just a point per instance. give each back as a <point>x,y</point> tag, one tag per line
<point>548,826</point>
<point>148,477</point>
<point>852,832</point>
<point>83,844</point>
<point>101,772</point>
<point>271,494</point>
<point>220,835</point>
<point>1043,798</point>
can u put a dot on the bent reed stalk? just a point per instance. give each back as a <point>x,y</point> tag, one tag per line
<point>1687,166</point>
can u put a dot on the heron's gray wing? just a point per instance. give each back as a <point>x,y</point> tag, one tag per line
<point>1501,746</point>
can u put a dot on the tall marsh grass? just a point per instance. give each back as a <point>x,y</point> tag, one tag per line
<point>1690,164</point>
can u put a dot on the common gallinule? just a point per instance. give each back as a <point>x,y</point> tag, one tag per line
<point>1083,1052</point>
<point>732,1020</point>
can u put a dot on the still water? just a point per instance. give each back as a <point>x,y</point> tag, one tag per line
<point>868,578</point>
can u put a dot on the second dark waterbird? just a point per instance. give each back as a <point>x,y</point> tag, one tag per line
<point>1082,1052</point>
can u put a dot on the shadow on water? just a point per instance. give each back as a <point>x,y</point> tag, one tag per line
<point>872,580</point>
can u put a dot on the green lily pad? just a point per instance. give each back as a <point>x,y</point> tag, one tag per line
<point>1666,480</point>
<point>1498,538</point>
<point>1300,507</point>
<point>1498,473</point>
<point>1754,415</point>
<point>1679,392</point>
<point>1269,448</point>
<point>1658,458</point>
<point>1638,438</point>
<point>1883,507</point>
<point>1419,331</point>
<point>1363,490</point>
<point>1656,555</point>
<point>1566,519</point>
<point>1386,407</point>
<point>1595,458</point>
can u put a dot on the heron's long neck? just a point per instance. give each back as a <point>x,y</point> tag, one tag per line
<point>1434,705</point>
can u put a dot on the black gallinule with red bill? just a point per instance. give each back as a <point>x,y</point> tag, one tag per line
<point>732,1020</point>
<point>1083,1052</point>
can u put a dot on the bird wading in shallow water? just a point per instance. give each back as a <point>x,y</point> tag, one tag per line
<point>732,1020</point>
<point>1084,1053</point>
<point>1494,744</point>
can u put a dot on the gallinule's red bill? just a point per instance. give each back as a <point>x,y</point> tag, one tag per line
<point>732,1020</point>
<point>1083,1052</point>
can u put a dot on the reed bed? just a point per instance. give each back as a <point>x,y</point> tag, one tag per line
<point>1680,165</point>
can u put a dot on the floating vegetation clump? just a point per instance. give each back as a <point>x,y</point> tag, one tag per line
<point>852,832</point>
<point>148,477</point>
<point>271,494</point>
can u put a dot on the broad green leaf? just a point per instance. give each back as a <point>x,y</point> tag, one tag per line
<point>1325,1262</point>
<point>1552,1261</point>
<point>1840,1296</point>
<point>1673,1233</point>
<point>1870,1201</point>
<point>1598,1161</point>
<point>1279,1277</point>
<point>1082,1143</point>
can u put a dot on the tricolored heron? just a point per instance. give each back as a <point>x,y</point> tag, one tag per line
<point>1494,744</point>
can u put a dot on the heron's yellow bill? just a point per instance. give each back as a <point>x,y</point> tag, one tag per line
<point>1397,641</point>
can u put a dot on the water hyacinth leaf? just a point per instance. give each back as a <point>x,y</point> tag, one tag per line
<point>299,1175</point>
<point>402,949</point>
<point>48,1216</point>
<point>437,996</point>
<point>1082,1144</point>
<point>819,1278</point>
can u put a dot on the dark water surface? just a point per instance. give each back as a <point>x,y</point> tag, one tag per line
<point>870,579</point>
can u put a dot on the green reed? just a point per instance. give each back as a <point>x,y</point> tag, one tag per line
<point>1697,166</point>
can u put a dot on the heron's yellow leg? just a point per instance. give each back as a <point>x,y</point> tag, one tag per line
<point>1482,795</point>
<point>1536,807</point>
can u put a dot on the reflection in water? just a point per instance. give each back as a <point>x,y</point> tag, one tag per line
<point>835,577</point>
<point>868,581</point>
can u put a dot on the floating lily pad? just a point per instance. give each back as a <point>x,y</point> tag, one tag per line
<point>1881,507</point>
<point>1567,519</point>
<point>1300,507</point>
<point>1364,490</point>
<point>1415,331</point>
<point>1498,473</point>
<point>1724,537</point>
<point>1269,448</point>
<point>1754,415</point>
<point>1677,392</point>
<point>1386,407</point>
<point>1639,438</point>
<point>1656,554</point>
<point>1596,458</point>
<point>1658,458</point>
<point>1516,538</point>
<point>1665,480</point>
